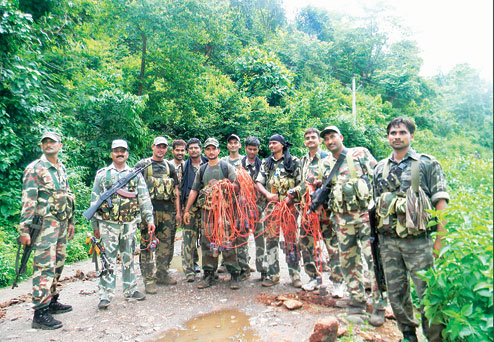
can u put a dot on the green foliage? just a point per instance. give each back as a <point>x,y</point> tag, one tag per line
<point>460,288</point>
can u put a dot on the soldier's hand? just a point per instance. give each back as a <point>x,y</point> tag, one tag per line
<point>97,234</point>
<point>187,218</point>
<point>317,183</point>
<point>151,228</point>
<point>178,219</point>
<point>71,231</point>
<point>273,198</point>
<point>288,200</point>
<point>25,240</point>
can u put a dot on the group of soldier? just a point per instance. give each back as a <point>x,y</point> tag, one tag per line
<point>168,194</point>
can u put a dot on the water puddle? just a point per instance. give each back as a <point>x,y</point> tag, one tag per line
<point>219,326</point>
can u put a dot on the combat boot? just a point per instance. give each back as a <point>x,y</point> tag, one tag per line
<point>166,280</point>
<point>377,317</point>
<point>234,281</point>
<point>44,320</point>
<point>409,336</point>
<point>244,275</point>
<point>207,280</point>
<point>271,281</point>
<point>55,307</point>
<point>150,288</point>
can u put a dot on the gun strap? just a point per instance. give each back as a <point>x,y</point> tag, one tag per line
<point>415,175</point>
<point>351,165</point>
<point>337,165</point>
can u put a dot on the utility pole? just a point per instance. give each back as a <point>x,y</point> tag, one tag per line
<point>354,99</point>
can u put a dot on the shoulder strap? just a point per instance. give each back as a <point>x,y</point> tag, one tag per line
<point>351,164</point>
<point>202,169</point>
<point>415,175</point>
<point>224,168</point>
<point>386,169</point>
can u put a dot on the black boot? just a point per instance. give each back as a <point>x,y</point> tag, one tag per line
<point>409,336</point>
<point>207,280</point>
<point>44,320</point>
<point>56,307</point>
<point>234,285</point>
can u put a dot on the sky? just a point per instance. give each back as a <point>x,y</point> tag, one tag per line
<point>448,32</point>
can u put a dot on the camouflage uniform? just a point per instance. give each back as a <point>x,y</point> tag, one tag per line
<point>313,169</point>
<point>179,169</point>
<point>161,179</point>
<point>259,239</point>
<point>348,202</point>
<point>209,258</point>
<point>118,226</point>
<point>243,250</point>
<point>404,256</point>
<point>278,181</point>
<point>190,234</point>
<point>46,192</point>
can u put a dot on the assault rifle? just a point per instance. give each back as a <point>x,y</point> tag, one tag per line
<point>95,250</point>
<point>376,253</point>
<point>321,195</point>
<point>106,196</point>
<point>34,230</point>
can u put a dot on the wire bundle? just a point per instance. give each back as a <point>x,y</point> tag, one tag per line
<point>248,212</point>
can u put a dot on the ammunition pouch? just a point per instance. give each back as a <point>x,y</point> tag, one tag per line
<point>350,196</point>
<point>161,188</point>
<point>124,209</point>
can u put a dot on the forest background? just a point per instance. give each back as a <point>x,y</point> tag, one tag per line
<point>99,70</point>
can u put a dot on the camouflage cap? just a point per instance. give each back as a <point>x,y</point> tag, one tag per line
<point>119,143</point>
<point>52,135</point>
<point>232,136</point>
<point>160,140</point>
<point>211,141</point>
<point>330,129</point>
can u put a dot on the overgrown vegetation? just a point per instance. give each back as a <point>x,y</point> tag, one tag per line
<point>106,69</point>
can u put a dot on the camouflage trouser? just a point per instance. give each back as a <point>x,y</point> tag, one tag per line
<point>260,241</point>
<point>401,259</point>
<point>354,240</point>
<point>166,228</point>
<point>330,239</point>
<point>48,260</point>
<point>273,250</point>
<point>190,233</point>
<point>209,260</point>
<point>118,238</point>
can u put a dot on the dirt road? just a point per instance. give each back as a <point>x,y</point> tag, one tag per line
<point>178,313</point>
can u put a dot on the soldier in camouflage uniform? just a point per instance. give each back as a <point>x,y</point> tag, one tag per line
<point>349,199</point>
<point>178,151</point>
<point>404,235</point>
<point>161,180</point>
<point>252,164</point>
<point>279,172</point>
<point>190,232</point>
<point>235,159</point>
<point>117,226</point>
<point>213,171</point>
<point>312,173</point>
<point>46,197</point>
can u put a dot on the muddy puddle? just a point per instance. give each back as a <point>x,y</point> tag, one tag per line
<point>219,326</point>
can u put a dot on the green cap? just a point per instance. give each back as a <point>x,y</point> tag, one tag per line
<point>211,141</point>
<point>330,129</point>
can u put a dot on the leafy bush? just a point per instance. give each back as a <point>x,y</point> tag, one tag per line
<point>460,288</point>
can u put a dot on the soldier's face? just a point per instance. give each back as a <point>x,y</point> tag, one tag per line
<point>194,151</point>
<point>159,151</point>
<point>50,147</point>
<point>333,142</point>
<point>178,152</point>
<point>312,141</point>
<point>119,155</point>
<point>275,147</point>
<point>399,138</point>
<point>211,152</point>
<point>251,152</point>
<point>233,145</point>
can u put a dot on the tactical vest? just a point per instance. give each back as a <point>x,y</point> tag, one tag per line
<point>160,188</point>
<point>353,195</point>
<point>125,209</point>
<point>204,198</point>
<point>280,182</point>
<point>404,213</point>
<point>59,201</point>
